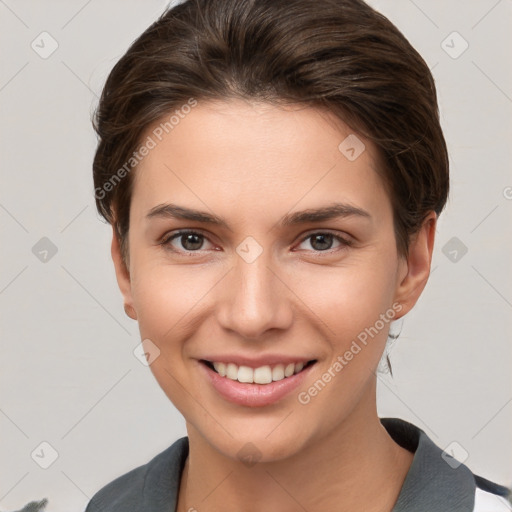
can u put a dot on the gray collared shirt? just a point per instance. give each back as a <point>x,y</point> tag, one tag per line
<point>435,482</point>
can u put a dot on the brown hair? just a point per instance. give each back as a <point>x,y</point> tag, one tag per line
<point>338,55</point>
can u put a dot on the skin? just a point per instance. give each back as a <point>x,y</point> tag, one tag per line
<point>251,164</point>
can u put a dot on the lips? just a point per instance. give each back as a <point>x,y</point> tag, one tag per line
<point>254,394</point>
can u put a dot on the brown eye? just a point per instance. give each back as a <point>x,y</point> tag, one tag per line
<point>189,241</point>
<point>321,241</point>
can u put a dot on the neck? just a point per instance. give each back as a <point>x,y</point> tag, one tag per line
<point>357,466</point>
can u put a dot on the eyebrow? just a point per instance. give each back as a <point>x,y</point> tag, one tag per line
<point>333,211</point>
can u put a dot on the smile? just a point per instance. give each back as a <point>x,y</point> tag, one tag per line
<point>255,387</point>
<point>261,375</point>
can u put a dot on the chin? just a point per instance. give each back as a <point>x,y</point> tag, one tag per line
<point>258,446</point>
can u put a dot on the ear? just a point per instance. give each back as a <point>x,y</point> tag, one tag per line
<point>414,269</point>
<point>123,276</point>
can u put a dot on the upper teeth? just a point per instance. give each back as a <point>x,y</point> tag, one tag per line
<point>261,375</point>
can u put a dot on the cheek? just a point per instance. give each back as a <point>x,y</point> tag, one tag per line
<point>168,304</point>
<point>164,298</point>
<point>356,306</point>
<point>350,298</point>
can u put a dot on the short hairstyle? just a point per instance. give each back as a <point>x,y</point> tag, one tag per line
<point>340,56</point>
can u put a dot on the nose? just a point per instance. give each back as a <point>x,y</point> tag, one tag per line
<point>255,299</point>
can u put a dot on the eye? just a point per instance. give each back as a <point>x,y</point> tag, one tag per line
<point>193,241</point>
<point>190,241</point>
<point>323,241</point>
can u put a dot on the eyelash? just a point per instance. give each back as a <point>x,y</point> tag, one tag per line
<point>165,241</point>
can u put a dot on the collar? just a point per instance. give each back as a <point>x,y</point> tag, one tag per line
<point>431,483</point>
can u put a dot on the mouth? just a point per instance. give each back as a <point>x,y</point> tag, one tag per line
<point>256,387</point>
<point>262,375</point>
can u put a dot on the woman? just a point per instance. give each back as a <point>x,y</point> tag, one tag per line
<point>273,172</point>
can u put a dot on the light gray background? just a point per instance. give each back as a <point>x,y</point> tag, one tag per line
<point>68,373</point>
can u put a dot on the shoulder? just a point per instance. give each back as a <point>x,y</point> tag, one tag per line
<point>138,489</point>
<point>491,497</point>
<point>125,489</point>
<point>436,480</point>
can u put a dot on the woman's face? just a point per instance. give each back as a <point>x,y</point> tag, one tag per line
<point>265,283</point>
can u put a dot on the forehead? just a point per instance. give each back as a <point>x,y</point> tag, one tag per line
<point>242,155</point>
